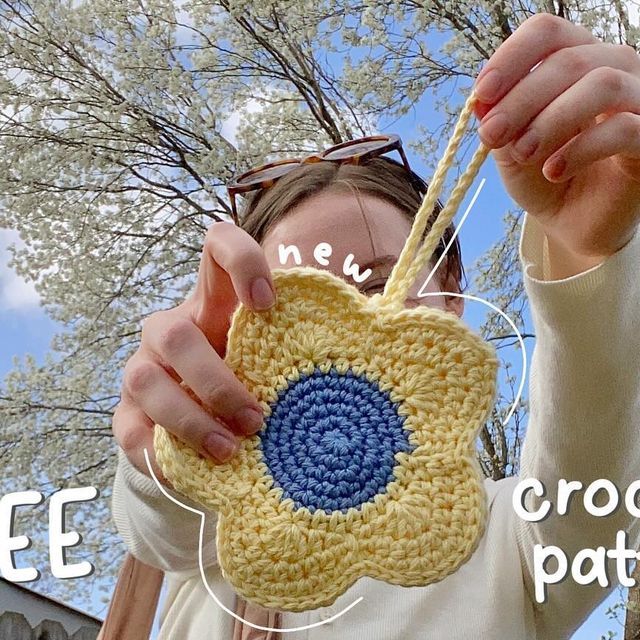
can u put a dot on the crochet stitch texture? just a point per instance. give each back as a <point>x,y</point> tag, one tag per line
<point>365,463</point>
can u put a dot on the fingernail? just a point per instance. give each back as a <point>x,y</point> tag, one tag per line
<point>220,446</point>
<point>555,167</point>
<point>494,128</point>
<point>249,420</point>
<point>488,88</point>
<point>261,294</point>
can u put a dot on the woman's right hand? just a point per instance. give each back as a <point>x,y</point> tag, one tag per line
<point>188,343</point>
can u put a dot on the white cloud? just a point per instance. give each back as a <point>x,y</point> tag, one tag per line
<point>15,293</point>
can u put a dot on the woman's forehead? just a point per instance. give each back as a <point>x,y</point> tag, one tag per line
<point>367,227</point>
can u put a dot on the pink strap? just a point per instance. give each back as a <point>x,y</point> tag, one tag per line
<point>257,615</point>
<point>133,603</point>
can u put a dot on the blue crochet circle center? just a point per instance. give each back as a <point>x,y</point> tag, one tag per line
<point>331,439</point>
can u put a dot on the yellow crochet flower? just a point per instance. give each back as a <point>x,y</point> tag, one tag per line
<point>365,464</point>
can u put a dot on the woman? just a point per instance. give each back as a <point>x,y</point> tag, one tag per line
<point>579,250</point>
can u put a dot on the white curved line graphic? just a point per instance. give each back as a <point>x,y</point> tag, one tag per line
<point>513,326</point>
<point>204,579</point>
<point>422,294</point>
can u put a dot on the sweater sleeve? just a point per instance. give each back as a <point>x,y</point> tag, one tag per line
<point>156,530</point>
<point>584,398</point>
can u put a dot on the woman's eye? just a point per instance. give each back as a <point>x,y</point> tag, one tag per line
<point>373,288</point>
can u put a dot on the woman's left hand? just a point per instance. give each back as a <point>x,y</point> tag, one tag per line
<point>581,107</point>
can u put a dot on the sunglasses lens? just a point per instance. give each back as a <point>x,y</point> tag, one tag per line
<point>355,149</point>
<point>268,173</point>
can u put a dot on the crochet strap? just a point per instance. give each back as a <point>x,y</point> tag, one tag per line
<point>407,267</point>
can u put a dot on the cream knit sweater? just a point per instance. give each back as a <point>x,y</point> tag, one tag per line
<point>584,395</point>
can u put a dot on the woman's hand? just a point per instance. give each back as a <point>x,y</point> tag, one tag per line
<point>188,343</point>
<point>578,109</point>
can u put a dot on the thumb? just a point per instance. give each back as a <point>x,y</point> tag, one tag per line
<point>232,269</point>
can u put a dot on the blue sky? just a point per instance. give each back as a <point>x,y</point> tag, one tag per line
<point>26,329</point>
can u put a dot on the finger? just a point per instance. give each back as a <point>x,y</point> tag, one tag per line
<point>618,134</point>
<point>602,91</point>
<point>535,39</point>
<point>178,342</point>
<point>548,81</point>
<point>232,267</point>
<point>133,431</point>
<point>168,404</point>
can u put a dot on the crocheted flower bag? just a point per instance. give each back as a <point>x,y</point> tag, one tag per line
<point>365,464</point>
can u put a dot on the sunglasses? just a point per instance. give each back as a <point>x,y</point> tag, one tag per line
<point>356,151</point>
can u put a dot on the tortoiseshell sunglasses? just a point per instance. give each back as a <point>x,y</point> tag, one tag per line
<point>352,152</point>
